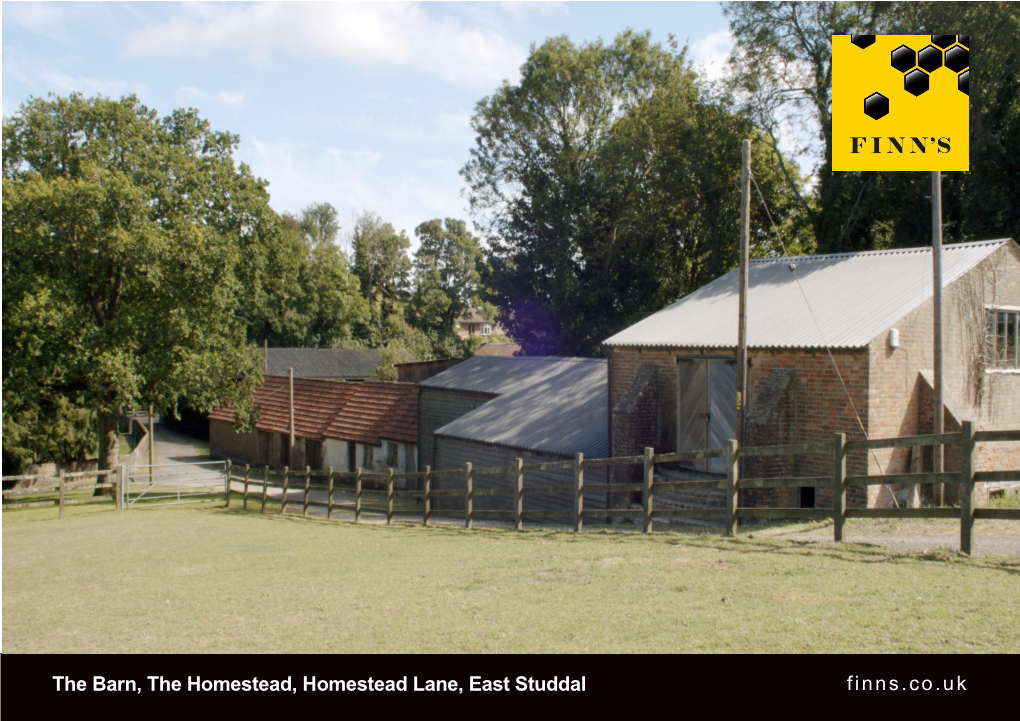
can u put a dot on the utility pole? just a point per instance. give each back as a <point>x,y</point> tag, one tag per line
<point>745,255</point>
<point>936,263</point>
<point>290,449</point>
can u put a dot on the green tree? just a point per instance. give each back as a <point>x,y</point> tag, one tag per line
<point>383,267</point>
<point>128,240</point>
<point>606,182</point>
<point>447,276</point>
<point>783,69</point>
<point>313,299</point>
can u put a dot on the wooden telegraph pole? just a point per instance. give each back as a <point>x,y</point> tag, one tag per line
<point>745,253</point>
<point>936,256</point>
<point>290,449</point>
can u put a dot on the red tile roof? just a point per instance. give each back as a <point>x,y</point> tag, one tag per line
<point>362,412</point>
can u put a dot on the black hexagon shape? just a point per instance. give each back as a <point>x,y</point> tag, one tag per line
<point>863,41</point>
<point>929,59</point>
<point>964,40</point>
<point>957,59</point>
<point>963,82</point>
<point>916,82</point>
<point>876,106</point>
<point>943,41</point>
<point>903,58</point>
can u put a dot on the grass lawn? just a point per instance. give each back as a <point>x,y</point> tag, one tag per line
<point>205,578</point>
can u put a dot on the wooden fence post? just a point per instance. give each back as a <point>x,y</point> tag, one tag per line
<point>60,480</point>
<point>578,493</point>
<point>357,496</point>
<point>469,496</point>
<point>308,474</point>
<point>329,501</point>
<point>265,487</point>
<point>649,479</point>
<point>427,500</point>
<point>967,458</point>
<point>732,474</point>
<point>389,496</point>
<point>286,487</point>
<point>119,487</point>
<point>519,496</point>
<point>838,486</point>
<point>244,503</point>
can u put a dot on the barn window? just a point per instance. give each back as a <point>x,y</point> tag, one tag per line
<point>1003,335</point>
<point>392,455</point>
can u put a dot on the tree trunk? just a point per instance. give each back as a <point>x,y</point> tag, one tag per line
<point>109,448</point>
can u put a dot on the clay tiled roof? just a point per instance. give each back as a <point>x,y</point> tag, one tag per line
<point>362,412</point>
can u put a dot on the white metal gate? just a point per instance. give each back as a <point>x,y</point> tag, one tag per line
<point>175,483</point>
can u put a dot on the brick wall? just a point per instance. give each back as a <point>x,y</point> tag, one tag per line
<point>635,421</point>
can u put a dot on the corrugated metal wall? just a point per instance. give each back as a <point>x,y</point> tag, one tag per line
<point>436,408</point>
<point>454,453</point>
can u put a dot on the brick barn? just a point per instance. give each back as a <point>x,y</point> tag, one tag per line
<point>371,425</point>
<point>491,410</point>
<point>673,375</point>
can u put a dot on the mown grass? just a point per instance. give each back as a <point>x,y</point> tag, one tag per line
<point>205,578</point>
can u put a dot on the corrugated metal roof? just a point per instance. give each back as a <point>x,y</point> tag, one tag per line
<point>551,405</point>
<point>323,362</point>
<point>853,296</point>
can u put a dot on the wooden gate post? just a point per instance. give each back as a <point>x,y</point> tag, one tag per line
<point>329,500</point>
<point>838,486</point>
<point>60,480</point>
<point>119,487</point>
<point>265,487</point>
<point>967,458</point>
<point>469,496</point>
<point>308,474</point>
<point>286,487</point>
<point>244,503</point>
<point>732,474</point>
<point>357,496</point>
<point>389,496</point>
<point>427,499</point>
<point>519,496</point>
<point>578,493</point>
<point>649,479</point>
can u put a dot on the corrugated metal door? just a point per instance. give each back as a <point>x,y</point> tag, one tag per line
<point>722,408</point>
<point>692,406</point>
<point>706,407</point>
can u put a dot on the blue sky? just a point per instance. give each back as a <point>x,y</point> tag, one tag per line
<point>363,105</point>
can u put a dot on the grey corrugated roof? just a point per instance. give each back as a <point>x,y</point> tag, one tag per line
<point>353,363</point>
<point>552,405</point>
<point>853,296</point>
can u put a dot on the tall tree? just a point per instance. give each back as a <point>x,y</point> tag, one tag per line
<point>128,240</point>
<point>783,69</point>
<point>606,181</point>
<point>383,266</point>
<point>313,299</point>
<point>447,275</point>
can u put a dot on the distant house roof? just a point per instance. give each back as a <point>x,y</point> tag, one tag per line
<point>499,349</point>
<point>853,298</point>
<point>361,412</point>
<point>351,363</point>
<point>471,315</point>
<point>551,405</point>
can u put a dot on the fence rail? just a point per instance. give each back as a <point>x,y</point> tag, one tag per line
<point>381,500</point>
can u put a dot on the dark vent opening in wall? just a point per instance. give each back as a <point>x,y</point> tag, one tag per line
<point>807,497</point>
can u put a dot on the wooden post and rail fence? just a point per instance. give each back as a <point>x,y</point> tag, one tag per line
<point>329,480</point>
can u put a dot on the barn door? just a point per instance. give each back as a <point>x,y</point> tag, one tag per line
<point>706,407</point>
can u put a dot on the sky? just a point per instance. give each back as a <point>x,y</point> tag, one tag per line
<point>363,105</point>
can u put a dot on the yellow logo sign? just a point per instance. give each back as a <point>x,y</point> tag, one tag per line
<point>900,102</point>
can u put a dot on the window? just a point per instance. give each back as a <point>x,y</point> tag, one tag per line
<point>392,455</point>
<point>1003,334</point>
<point>486,329</point>
<point>369,461</point>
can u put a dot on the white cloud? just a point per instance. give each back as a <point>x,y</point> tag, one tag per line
<point>43,18</point>
<point>370,35</point>
<point>189,93</point>
<point>709,54</point>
